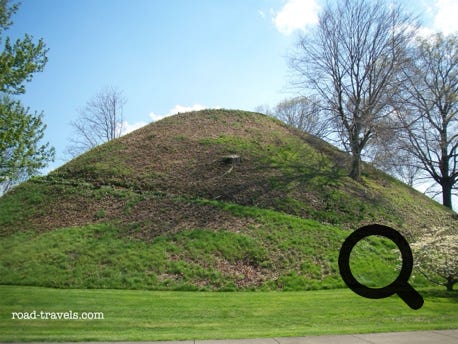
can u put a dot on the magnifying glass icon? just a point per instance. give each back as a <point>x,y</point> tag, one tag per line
<point>400,286</point>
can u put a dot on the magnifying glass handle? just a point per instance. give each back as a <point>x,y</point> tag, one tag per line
<point>410,296</point>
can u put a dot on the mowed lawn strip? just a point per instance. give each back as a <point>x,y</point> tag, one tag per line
<point>163,315</point>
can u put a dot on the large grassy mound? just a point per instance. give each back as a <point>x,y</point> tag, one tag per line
<point>163,208</point>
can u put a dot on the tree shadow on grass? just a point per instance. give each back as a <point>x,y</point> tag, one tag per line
<point>253,180</point>
<point>440,293</point>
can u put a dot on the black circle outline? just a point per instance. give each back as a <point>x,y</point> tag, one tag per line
<point>401,243</point>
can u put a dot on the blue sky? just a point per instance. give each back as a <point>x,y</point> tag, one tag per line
<point>170,55</point>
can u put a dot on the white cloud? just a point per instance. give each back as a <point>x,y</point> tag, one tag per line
<point>181,108</point>
<point>445,18</point>
<point>156,117</point>
<point>440,16</point>
<point>129,127</point>
<point>424,32</point>
<point>176,109</point>
<point>296,15</point>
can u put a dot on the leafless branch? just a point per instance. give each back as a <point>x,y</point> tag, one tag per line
<point>101,120</point>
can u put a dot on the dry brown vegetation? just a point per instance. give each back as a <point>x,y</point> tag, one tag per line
<point>147,178</point>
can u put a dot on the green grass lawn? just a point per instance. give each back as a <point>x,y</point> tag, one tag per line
<point>169,315</point>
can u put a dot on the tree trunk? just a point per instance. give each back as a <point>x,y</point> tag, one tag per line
<point>355,172</point>
<point>447,195</point>
<point>450,282</point>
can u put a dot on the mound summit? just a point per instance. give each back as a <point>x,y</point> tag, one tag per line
<point>214,199</point>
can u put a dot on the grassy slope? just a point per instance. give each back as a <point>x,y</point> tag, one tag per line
<point>157,209</point>
<point>276,251</point>
<point>146,315</point>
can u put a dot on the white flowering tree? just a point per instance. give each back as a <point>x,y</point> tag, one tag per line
<point>436,256</point>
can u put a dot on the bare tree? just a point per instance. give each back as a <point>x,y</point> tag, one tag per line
<point>387,154</point>
<point>429,111</point>
<point>264,109</point>
<point>101,120</point>
<point>392,159</point>
<point>304,114</point>
<point>350,62</point>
